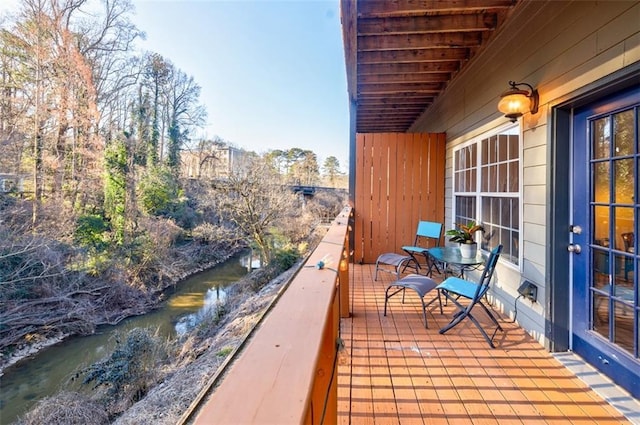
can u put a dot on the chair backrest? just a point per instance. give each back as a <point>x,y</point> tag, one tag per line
<point>429,230</point>
<point>628,240</point>
<point>487,274</point>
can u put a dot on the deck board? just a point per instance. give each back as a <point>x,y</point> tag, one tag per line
<point>394,371</point>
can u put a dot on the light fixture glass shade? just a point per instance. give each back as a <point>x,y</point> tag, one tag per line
<point>514,103</point>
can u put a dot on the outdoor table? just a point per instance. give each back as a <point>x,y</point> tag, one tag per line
<point>449,257</point>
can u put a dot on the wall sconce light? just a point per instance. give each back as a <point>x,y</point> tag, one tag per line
<point>516,102</point>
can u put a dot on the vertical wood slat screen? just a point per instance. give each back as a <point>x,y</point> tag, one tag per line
<point>399,181</point>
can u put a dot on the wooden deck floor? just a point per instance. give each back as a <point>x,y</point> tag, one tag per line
<point>394,371</point>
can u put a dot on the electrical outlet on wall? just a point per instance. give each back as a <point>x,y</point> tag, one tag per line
<point>528,290</point>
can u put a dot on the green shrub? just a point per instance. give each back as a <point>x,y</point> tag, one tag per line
<point>160,195</point>
<point>224,352</point>
<point>286,257</point>
<point>132,368</point>
<point>89,231</point>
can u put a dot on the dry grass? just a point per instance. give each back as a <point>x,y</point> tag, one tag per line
<point>66,408</point>
<point>167,402</point>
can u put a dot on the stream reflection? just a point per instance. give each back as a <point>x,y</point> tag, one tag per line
<point>26,382</point>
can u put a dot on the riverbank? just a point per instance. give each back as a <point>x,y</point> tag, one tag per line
<point>33,346</point>
<point>201,358</point>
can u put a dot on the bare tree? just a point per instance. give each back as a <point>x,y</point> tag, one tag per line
<point>255,200</point>
<point>184,112</point>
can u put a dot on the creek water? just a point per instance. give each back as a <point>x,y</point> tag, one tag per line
<point>51,370</point>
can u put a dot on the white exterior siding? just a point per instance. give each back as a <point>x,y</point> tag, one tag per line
<point>559,47</point>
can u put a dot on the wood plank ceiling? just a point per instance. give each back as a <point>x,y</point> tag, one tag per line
<point>401,54</point>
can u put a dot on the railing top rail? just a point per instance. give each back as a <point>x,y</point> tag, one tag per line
<point>272,379</point>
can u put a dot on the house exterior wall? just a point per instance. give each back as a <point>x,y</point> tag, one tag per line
<point>562,48</point>
<point>216,163</point>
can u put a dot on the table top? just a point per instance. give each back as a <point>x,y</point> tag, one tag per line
<point>451,255</point>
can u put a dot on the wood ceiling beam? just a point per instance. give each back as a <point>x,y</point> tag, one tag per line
<point>414,99</point>
<point>416,55</point>
<point>407,68</point>
<point>396,110</point>
<point>441,77</point>
<point>381,120</point>
<point>378,8</point>
<point>418,41</point>
<point>428,24</point>
<point>399,89</point>
<point>386,119</point>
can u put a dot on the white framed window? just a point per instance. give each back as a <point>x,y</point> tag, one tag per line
<point>486,188</point>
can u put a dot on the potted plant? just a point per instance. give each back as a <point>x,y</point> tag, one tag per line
<point>464,234</point>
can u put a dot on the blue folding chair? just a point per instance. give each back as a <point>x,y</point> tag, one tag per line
<point>457,289</point>
<point>427,234</point>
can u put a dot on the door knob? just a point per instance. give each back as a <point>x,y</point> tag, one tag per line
<point>575,248</point>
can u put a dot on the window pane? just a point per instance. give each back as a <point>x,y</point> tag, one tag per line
<point>493,149</point>
<point>493,179</point>
<point>514,147</point>
<point>503,147</point>
<point>514,183</point>
<point>484,179</point>
<point>502,178</point>
<point>485,153</point>
<point>495,210</point>
<point>474,156</point>
<point>505,212</point>
<point>470,181</point>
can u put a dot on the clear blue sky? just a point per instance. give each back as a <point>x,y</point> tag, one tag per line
<point>272,72</point>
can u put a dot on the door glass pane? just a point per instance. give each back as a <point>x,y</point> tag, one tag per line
<point>601,182</point>
<point>623,325</point>
<point>601,314</point>
<point>623,181</point>
<point>623,133</point>
<point>600,263</point>
<point>601,226</point>
<point>624,225</point>
<point>601,138</point>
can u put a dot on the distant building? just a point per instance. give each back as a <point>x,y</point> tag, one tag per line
<point>211,162</point>
<point>11,183</point>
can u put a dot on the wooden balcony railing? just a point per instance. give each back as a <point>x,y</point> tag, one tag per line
<point>287,372</point>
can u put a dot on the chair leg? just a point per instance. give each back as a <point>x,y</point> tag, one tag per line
<point>491,316</point>
<point>387,296</point>
<point>424,312</point>
<point>462,313</point>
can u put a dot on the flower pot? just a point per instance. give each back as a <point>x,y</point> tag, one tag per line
<point>468,250</point>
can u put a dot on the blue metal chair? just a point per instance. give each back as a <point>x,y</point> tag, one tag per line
<point>456,289</point>
<point>427,233</point>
